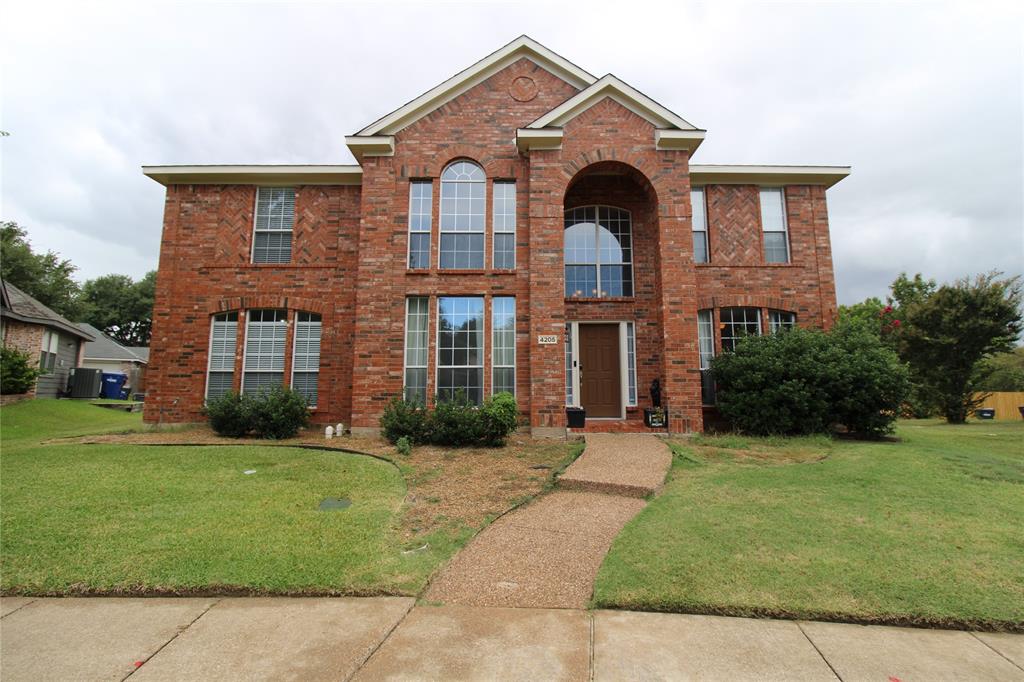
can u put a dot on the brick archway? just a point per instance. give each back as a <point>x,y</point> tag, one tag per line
<point>233,303</point>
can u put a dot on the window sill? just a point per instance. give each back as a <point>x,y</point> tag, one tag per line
<point>600,299</point>
<point>438,271</point>
<point>755,265</point>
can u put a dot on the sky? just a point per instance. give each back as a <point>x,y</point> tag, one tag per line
<point>923,100</point>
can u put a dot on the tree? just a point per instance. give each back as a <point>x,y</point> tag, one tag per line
<point>946,334</point>
<point>907,291</point>
<point>120,307</point>
<point>45,277</point>
<point>1002,371</point>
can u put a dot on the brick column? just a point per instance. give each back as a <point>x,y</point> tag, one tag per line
<point>547,296</point>
<point>681,386</point>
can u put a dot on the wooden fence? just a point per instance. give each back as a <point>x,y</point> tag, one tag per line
<point>1005,404</point>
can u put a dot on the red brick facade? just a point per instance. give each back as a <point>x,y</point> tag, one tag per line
<point>350,243</point>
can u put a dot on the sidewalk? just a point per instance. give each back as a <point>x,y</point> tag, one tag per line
<point>387,638</point>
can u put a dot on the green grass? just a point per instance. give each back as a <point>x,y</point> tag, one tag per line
<point>929,530</point>
<point>135,519</point>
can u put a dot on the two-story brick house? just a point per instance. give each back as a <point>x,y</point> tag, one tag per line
<point>523,226</point>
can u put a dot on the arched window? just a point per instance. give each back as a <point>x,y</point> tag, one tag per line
<point>598,252</point>
<point>462,216</point>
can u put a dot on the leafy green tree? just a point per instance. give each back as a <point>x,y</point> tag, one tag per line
<point>1002,371</point>
<point>866,314</point>
<point>121,307</point>
<point>906,291</point>
<point>946,334</point>
<point>44,276</point>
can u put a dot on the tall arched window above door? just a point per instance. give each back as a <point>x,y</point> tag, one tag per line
<point>462,216</point>
<point>598,252</point>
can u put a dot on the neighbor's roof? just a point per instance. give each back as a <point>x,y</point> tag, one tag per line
<point>17,305</point>
<point>106,348</point>
<point>141,351</point>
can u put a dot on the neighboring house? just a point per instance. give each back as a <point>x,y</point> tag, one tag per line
<point>31,327</point>
<point>107,355</point>
<point>523,226</point>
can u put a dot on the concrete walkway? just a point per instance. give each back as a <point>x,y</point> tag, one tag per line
<point>547,554</point>
<point>386,639</point>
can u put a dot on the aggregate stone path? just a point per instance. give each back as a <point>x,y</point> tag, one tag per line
<point>546,554</point>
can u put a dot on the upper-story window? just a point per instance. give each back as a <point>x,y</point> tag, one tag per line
<point>421,197</point>
<point>773,224</point>
<point>504,225</point>
<point>463,187</point>
<point>701,253</point>
<point>598,252</point>
<point>275,218</point>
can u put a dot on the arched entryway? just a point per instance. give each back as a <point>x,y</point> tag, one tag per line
<point>611,288</point>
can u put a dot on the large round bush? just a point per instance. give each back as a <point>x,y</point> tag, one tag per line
<point>804,381</point>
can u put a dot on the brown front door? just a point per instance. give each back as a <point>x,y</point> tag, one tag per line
<point>600,380</point>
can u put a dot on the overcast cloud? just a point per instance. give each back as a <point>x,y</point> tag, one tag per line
<point>923,100</point>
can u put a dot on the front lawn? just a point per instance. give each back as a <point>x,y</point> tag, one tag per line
<point>116,513</point>
<point>929,530</point>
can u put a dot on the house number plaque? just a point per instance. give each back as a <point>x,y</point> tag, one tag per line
<point>547,339</point>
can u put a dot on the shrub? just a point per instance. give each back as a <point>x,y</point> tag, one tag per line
<point>803,381</point>
<point>273,413</point>
<point>453,422</point>
<point>229,415</point>
<point>500,415</point>
<point>18,373</point>
<point>278,413</point>
<point>405,419</point>
<point>404,446</point>
<point>456,421</point>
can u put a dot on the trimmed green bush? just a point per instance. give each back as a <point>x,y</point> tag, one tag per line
<point>18,372</point>
<point>278,413</point>
<point>453,422</point>
<point>229,415</point>
<point>805,381</point>
<point>404,446</point>
<point>273,413</point>
<point>405,419</point>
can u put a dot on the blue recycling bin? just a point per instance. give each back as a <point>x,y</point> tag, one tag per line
<point>112,385</point>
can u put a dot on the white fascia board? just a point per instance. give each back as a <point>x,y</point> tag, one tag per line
<point>624,94</point>
<point>546,138</point>
<point>766,176</point>
<point>523,46</point>
<point>678,139</point>
<point>255,175</point>
<point>371,145</point>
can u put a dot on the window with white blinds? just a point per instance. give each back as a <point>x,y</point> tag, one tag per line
<point>220,374</point>
<point>266,332</point>
<point>275,219</point>
<point>701,253</point>
<point>306,356</point>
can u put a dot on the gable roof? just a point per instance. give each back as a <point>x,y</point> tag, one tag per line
<point>17,305</point>
<point>624,94</point>
<point>523,46</point>
<point>105,348</point>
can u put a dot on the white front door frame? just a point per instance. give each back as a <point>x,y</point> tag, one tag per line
<point>623,362</point>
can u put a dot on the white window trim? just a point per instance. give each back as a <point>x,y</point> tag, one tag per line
<point>785,223</point>
<point>515,344</point>
<point>430,232</point>
<point>484,379</point>
<point>209,351</point>
<point>597,250</point>
<point>440,217</point>
<point>295,343</point>
<point>707,222</point>
<point>255,209</point>
<point>245,345</point>
<point>515,223</point>
<point>405,351</point>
